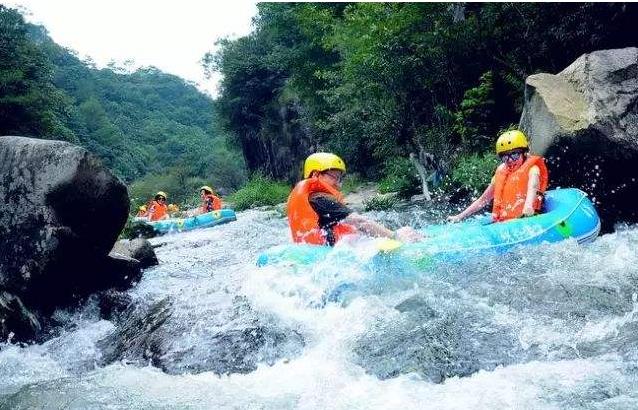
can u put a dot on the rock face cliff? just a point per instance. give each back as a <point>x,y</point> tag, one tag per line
<point>61,212</point>
<point>585,121</point>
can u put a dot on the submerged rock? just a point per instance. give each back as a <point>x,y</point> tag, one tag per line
<point>155,334</point>
<point>136,337</point>
<point>437,342</point>
<point>15,319</point>
<point>62,210</point>
<point>585,121</point>
<point>113,303</point>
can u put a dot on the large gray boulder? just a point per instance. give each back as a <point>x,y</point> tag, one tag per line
<point>585,121</point>
<point>62,210</point>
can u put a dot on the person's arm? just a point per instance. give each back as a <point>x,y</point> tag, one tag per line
<point>331,212</point>
<point>532,190</point>
<point>475,206</point>
<point>369,226</point>
<point>375,229</point>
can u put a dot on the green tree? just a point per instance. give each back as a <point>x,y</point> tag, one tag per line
<point>29,103</point>
<point>376,81</point>
<point>475,121</point>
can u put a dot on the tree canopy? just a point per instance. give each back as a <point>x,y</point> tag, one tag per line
<point>376,81</point>
<point>372,82</point>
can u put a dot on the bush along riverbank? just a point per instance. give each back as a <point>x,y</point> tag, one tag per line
<point>259,191</point>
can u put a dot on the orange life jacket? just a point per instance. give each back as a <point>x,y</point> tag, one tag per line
<point>216,203</point>
<point>304,221</point>
<point>157,211</point>
<point>510,188</point>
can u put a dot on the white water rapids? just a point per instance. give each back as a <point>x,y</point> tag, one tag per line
<point>546,327</point>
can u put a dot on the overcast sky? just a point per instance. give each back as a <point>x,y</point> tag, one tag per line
<point>170,35</point>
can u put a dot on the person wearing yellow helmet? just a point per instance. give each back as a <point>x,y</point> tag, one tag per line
<point>210,201</point>
<point>317,213</point>
<point>158,209</point>
<point>518,184</point>
<point>141,211</point>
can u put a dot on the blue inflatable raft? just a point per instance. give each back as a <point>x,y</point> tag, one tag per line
<point>568,214</point>
<point>200,221</point>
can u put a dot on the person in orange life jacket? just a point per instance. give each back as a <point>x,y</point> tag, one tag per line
<point>158,208</point>
<point>518,185</point>
<point>210,202</point>
<point>317,213</point>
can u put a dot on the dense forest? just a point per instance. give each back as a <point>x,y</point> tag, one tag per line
<point>152,129</point>
<point>375,82</point>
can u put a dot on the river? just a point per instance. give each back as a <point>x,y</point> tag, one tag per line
<point>545,327</point>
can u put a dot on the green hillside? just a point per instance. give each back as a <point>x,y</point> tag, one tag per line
<point>149,127</point>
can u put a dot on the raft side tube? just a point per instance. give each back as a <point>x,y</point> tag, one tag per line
<point>195,222</point>
<point>568,214</point>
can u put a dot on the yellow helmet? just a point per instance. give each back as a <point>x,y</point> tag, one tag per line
<point>322,161</point>
<point>510,140</point>
<point>162,194</point>
<point>142,208</point>
<point>173,208</point>
<point>206,188</point>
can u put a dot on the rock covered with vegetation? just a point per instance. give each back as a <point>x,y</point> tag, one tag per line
<point>585,120</point>
<point>62,212</point>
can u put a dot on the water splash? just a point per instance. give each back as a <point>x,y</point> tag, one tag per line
<point>547,327</point>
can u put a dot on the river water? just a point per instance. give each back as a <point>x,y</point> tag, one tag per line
<point>546,327</point>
